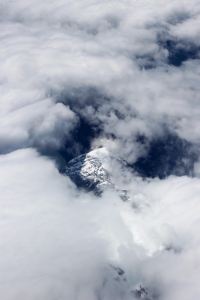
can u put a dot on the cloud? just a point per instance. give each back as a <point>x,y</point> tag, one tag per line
<point>76,75</point>
<point>60,242</point>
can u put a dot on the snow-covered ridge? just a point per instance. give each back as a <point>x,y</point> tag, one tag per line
<point>93,171</point>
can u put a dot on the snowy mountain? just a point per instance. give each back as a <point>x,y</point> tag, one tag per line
<point>94,172</point>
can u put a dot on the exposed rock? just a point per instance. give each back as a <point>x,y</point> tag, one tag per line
<point>92,172</point>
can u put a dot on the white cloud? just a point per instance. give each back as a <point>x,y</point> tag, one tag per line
<point>58,242</point>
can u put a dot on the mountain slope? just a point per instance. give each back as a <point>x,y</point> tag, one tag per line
<point>93,172</point>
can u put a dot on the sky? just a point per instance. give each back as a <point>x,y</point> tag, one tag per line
<point>75,76</point>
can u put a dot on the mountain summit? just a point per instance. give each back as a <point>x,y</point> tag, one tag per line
<point>94,172</point>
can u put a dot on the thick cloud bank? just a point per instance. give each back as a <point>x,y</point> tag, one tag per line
<point>76,75</point>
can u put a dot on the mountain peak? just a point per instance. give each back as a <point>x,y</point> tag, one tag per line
<point>89,171</point>
<point>93,172</point>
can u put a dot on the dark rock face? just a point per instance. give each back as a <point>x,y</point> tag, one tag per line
<point>87,172</point>
<point>142,292</point>
<point>167,155</point>
<point>139,291</point>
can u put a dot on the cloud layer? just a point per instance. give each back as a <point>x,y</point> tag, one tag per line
<point>52,50</point>
<point>76,75</point>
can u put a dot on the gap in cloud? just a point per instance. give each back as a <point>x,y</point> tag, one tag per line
<point>79,99</point>
<point>180,51</point>
<point>84,102</point>
<point>167,155</point>
<point>79,142</point>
